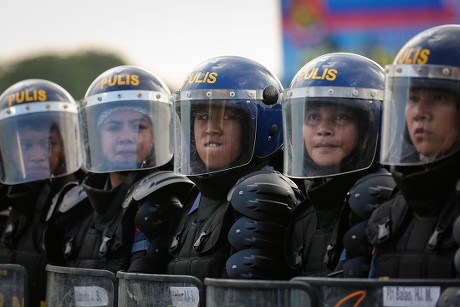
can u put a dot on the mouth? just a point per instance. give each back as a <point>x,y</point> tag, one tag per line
<point>421,133</point>
<point>39,169</point>
<point>325,145</point>
<point>212,144</point>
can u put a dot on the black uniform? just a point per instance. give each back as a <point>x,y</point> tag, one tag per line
<point>200,246</point>
<point>320,223</point>
<point>412,233</point>
<point>22,239</point>
<point>97,230</point>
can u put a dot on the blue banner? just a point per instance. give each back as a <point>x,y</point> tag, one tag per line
<point>373,28</point>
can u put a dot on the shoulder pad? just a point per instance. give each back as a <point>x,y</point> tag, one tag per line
<point>72,198</point>
<point>164,181</point>
<point>58,199</point>
<point>369,192</point>
<point>267,196</point>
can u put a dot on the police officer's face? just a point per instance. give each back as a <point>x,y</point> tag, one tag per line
<point>41,151</point>
<point>432,121</point>
<point>218,134</point>
<point>330,134</point>
<point>126,136</point>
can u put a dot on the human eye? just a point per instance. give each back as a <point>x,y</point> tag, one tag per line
<point>52,144</point>
<point>414,97</point>
<point>201,115</point>
<point>441,98</point>
<point>112,127</point>
<point>231,116</point>
<point>342,116</point>
<point>26,145</point>
<point>312,117</point>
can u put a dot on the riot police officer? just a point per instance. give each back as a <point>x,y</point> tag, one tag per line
<point>228,125</point>
<point>40,153</point>
<point>331,112</point>
<point>412,233</point>
<point>126,127</point>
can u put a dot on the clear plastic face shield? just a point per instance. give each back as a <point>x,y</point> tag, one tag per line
<point>126,130</point>
<point>39,141</point>
<point>215,130</point>
<point>421,121</point>
<point>329,135</point>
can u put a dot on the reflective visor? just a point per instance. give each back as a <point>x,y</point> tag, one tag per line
<point>421,114</point>
<point>214,131</point>
<point>328,136</point>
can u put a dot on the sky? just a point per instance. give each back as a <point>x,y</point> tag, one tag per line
<point>167,37</point>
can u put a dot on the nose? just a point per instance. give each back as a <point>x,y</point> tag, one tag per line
<point>39,154</point>
<point>421,112</point>
<point>324,128</point>
<point>214,125</point>
<point>127,136</point>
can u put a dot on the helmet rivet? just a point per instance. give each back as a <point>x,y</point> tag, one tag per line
<point>399,69</point>
<point>66,106</point>
<point>119,95</point>
<point>232,94</point>
<point>208,94</point>
<point>353,237</point>
<point>355,92</point>
<point>330,91</point>
<point>387,70</point>
<point>139,95</point>
<point>189,95</point>
<point>445,71</point>
<point>8,111</point>
<point>234,267</point>
<point>289,93</point>
<point>83,102</point>
<point>27,107</point>
<point>238,231</point>
<point>269,138</point>
<point>250,94</point>
<point>99,98</point>
<point>373,94</point>
<point>357,195</point>
<point>158,96</point>
<point>47,106</point>
<point>240,192</point>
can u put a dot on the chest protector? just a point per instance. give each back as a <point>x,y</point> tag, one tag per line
<point>97,226</point>
<point>408,246</point>
<point>199,246</point>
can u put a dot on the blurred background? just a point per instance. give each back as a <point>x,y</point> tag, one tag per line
<point>72,42</point>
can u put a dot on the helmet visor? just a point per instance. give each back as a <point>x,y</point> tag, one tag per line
<point>420,120</point>
<point>126,135</point>
<point>39,144</point>
<point>213,134</point>
<point>327,136</point>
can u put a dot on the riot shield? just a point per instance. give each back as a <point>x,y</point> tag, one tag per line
<point>342,292</point>
<point>13,285</point>
<point>74,287</point>
<point>151,290</point>
<point>258,293</point>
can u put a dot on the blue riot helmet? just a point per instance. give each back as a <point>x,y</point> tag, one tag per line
<point>39,135</point>
<point>331,116</point>
<point>228,112</point>
<point>126,121</point>
<point>421,121</point>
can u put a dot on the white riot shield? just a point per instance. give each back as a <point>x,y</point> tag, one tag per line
<point>156,290</point>
<point>78,287</point>
<point>13,285</point>
<point>258,293</point>
<point>363,292</point>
